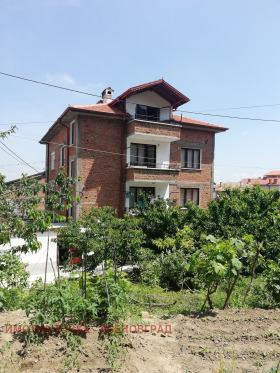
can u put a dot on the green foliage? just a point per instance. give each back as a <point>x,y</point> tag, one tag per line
<point>19,214</point>
<point>60,304</point>
<point>249,211</point>
<point>162,219</point>
<point>272,276</point>
<point>218,261</point>
<point>103,236</point>
<point>169,269</point>
<point>12,271</point>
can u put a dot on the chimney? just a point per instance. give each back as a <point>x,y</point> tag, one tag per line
<point>107,95</point>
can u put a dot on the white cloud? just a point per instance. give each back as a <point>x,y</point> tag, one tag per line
<point>60,79</point>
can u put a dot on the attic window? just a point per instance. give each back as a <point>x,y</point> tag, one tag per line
<point>145,112</point>
<point>109,92</point>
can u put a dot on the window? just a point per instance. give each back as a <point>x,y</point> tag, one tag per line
<point>190,158</point>
<point>52,160</point>
<point>72,133</point>
<point>72,169</point>
<point>135,193</point>
<point>71,211</point>
<point>147,113</point>
<point>143,155</point>
<point>189,195</point>
<point>62,156</point>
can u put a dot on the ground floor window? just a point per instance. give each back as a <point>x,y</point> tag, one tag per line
<point>135,195</point>
<point>189,195</point>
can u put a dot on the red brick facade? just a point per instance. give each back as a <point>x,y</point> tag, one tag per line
<point>100,153</point>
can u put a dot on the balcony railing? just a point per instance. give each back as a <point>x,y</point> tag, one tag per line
<point>155,166</point>
<point>152,118</point>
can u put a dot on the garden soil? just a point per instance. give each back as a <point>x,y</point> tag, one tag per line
<point>244,340</point>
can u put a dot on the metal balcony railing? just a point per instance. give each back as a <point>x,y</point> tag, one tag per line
<point>156,166</point>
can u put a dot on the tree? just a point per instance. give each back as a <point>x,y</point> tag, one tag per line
<point>252,211</point>
<point>160,219</point>
<point>19,214</point>
<point>102,238</point>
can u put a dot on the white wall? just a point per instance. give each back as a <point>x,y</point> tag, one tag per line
<point>161,188</point>
<point>149,98</point>
<point>162,150</point>
<point>36,261</point>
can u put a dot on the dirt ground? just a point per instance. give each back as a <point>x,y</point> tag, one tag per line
<point>247,340</point>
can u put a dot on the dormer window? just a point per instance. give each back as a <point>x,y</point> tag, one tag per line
<point>145,112</point>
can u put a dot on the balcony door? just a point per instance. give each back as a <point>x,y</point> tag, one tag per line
<point>143,155</point>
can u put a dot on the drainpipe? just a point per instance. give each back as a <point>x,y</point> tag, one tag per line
<point>121,170</point>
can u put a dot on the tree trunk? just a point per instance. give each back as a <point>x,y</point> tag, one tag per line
<point>252,275</point>
<point>230,291</point>
<point>107,291</point>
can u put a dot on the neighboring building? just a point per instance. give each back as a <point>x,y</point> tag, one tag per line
<point>130,144</point>
<point>40,176</point>
<point>271,180</point>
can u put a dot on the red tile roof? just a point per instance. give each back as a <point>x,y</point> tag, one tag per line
<point>98,108</point>
<point>272,173</point>
<point>161,87</point>
<point>195,122</point>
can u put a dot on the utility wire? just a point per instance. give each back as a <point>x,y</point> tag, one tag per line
<point>124,154</point>
<point>49,85</point>
<point>242,107</point>
<point>229,116</point>
<point>99,96</point>
<point>18,164</point>
<point>27,164</point>
<point>13,123</point>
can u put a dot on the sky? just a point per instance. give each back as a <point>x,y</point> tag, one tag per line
<point>223,55</point>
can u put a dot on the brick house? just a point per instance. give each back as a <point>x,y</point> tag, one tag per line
<point>271,180</point>
<point>130,144</point>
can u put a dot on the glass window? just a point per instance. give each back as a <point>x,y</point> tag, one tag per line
<point>62,156</point>
<point>147,113</point>
<point>189,195</point>
<point>72,169</point>
<point>143,155</point>
<point>135,193</point>
<point>72,133</point>
<point>52,160</point>
<point>190,158</point>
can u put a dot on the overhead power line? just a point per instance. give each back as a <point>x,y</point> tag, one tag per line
<point>231,117</point>
<point>19,158</point>
<point>49,85</point>
<point>181,111</point>
<point>15,123</point>
<point>124,154</point>
<point>242,107</point>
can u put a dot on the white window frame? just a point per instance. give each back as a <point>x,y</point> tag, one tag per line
<point>62,160</point>
<point>52,161</point>
<point>72,133</point>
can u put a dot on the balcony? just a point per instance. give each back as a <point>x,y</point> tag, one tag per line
<point>159,172</point>
<point>142,129</point>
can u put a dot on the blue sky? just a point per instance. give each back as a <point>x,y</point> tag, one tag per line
<point>221,54</point>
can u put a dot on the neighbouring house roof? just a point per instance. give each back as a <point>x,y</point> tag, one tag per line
<point>273,173</point>
<point>249,181</point>
<point>161,87</point>
<point>39,176</point>
<point>230,184</point>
